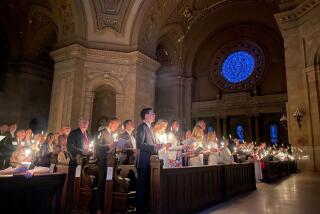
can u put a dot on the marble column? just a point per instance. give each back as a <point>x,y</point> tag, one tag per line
<point>79,71</point>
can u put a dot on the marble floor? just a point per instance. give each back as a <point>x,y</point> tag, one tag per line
<point>296,194</point>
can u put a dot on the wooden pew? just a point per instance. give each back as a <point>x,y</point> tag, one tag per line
<point>191,189</point>
<point>239,178</point>
<point>271,171</point>
<point>77,191</point>
<point>38,194</point>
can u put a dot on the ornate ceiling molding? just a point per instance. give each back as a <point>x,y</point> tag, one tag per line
<point>111,13</point>
<point>298,12</point>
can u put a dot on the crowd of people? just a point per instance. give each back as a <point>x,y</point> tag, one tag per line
<point>18,147</point>
<point>196,147</point>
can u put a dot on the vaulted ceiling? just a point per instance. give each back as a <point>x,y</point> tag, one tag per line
<point>34,26</point>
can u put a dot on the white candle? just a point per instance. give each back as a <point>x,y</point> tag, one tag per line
<point>115,136</point>
<point>27,152</point>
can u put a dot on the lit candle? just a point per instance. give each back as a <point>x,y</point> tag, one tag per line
<point>91,145</point>
<point>115,136</point>
<point>42,132</point>
<point>27,152</point>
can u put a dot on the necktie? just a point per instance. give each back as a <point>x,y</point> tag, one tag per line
<point>86,140</point>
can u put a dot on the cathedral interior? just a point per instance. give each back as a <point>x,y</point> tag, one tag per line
<point>62,59</point>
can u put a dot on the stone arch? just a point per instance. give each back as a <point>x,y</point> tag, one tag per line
<point>113,83</point>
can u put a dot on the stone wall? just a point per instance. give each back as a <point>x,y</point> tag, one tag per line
<point>300,28</point>
<point>25,94</point>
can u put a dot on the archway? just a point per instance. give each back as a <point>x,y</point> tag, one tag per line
<point>104,106</point>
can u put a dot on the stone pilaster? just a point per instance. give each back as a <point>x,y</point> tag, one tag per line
<point>300,28</point>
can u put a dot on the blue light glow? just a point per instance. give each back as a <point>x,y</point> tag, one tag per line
<point>274,133</point>
<point>238,66</point>
<point>240,132</point>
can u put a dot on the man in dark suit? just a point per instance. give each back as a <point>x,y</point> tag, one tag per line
<point>77,146</point>
<point>146,146</point>
<point>8,144</point>
<point>104,145</point>
<point>126,152</point>
<point>78,140</point>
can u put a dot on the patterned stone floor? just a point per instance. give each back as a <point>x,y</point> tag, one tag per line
<point>296,194</point>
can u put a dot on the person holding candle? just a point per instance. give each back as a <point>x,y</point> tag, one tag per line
<point>8,144</point>
<point>64,155</point>
<point>28,137</point>
<point>257,166</point>
<point>225,153</point>
<point>146,146</point>
<point>105,145</point>
<point>47,146</point>
<point>196,156</point>
<point>78,140</point>
<point>128,150</point>
<point>212,148</point>
<point>161,138</point>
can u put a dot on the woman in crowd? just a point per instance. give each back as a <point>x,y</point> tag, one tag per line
<point>225,153</point>
<point>63,156</point>
<point>212,147</point>
<point>161,138</point>
<point>47,146</point>
<point>257,166</point>
<point>23,153</point>
<point>195,155</point>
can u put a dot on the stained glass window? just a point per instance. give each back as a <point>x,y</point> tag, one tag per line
<point>274,133</point>
<point>240,132</point>
<point>238,66</point>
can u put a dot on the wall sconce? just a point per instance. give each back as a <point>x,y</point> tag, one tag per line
<point>283,121</point>
<point>298,115</point>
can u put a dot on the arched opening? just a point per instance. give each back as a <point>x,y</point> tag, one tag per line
<point>104,107</point>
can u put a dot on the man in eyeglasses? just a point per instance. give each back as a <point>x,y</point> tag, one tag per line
<point>146,146</point>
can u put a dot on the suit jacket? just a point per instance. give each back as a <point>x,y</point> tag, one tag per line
<point>104,144</point>
<point>76,142</point>
<point>145,145</point>
<point>126,155</point>
<point>6,146</point>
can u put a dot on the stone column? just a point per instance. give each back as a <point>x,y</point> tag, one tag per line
<point>300,28</point>
<point>79,71</point>
<point>250,128</point>
<point>218,130</point>
<point>145,84</point>
<point>224,126</point>
<point>257,128</point>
